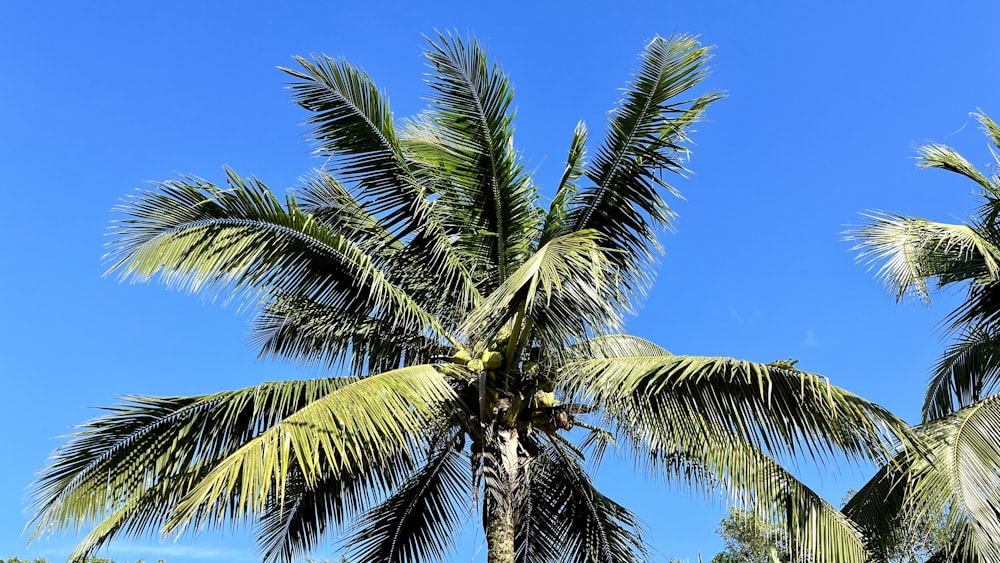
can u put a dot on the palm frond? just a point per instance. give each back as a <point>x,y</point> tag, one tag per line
<point>980,308</point>
<point>967,371</point>
<point>960,476</point>
<point>912,251</point>
<point>703,456</point>
<point>418,522</point>
<point>142,513</point>
<point>557,217</point>
<point>989,127</point>
<point>614,346</point>
<point>242,240</point>
<point>565,290</point>
<point>316,333</point>
<point>775,407</point>
<point>646,139</point>
<point>366,422</point>
<point>353,124</point>
<point>137,461</point>
<point>935,155</point>
<point>877,508</point>
<point>710,422</point>
<point>953,477</point>
<point>429,271</point>
<point>292,526</point>
<point>566,519</point>
<point>487,198</point>
<point>329,201</point>
<point>815,530</point>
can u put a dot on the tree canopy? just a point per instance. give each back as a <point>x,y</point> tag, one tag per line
<point>473,331</point>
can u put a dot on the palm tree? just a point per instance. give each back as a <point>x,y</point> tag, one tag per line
<point>476,334</point>
<point>957,476</point>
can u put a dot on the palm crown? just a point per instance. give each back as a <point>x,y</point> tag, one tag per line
<point>478,334</point>
<point>954,476</point>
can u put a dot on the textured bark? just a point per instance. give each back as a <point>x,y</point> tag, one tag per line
<point>500,536</point>
<point>498,508</point>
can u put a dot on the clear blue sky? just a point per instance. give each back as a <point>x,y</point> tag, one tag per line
<point>825,104</point>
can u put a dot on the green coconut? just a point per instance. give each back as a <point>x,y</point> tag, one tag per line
<point>529,367</point>
<point>475,365</point>
<point>500,341</point>
<point>461,357</point>
<point>546,399</point>
<point>548,386</point>
<point>492,359</point>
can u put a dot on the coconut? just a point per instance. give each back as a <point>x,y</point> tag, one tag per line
<point>475,365</point>
<point>529,367</point>
<point>500,343</point>
<point>548,386</point>
<point>492,359</point>
<point>561,420</point>
<point>545,400</point>
<point>461,357</point>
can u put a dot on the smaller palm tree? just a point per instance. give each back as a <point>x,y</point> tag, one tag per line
<point>956,476</point>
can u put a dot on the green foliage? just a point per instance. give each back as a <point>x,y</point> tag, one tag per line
<point>948,487</point>
<point>918,538</point>
<point>750,539</point>
<point>419,267</point>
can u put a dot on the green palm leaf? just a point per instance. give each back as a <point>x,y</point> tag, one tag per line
<point>967,371</point>
<point>703,456</point>
<point>935,155</point>
<point>960,475</point>
<point>315,333</point>
<point>815,530</point>
<point>565,290</point>
<point>646,138</point>
<point>326,199</point>
<point>200,237</point>
<point>487,198</point>
<point>366,422</point>
<point>956,476</point>
<point>541,511</point>
<point>614,346</point>
<point>411,263</point>
<point>418,522</point>
<point>913,250</point>
<point>592,526</point>
<point>290,528</point>
<point>878,507</point>
<point>354,125</point>
<point>556,220</point>
<point>144,510</point>
<point>138,461</point>
<point>774,406</point>
<point>944,157</point>
<point>706,420</point>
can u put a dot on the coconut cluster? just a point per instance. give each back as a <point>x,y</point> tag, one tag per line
<point>489,360</point>
<point>539,408</point>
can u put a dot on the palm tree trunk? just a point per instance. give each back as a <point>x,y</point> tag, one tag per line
<point>500,535</point>
<point>499,503</point>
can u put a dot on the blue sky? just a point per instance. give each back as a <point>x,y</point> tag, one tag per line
<point>825,103</point>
